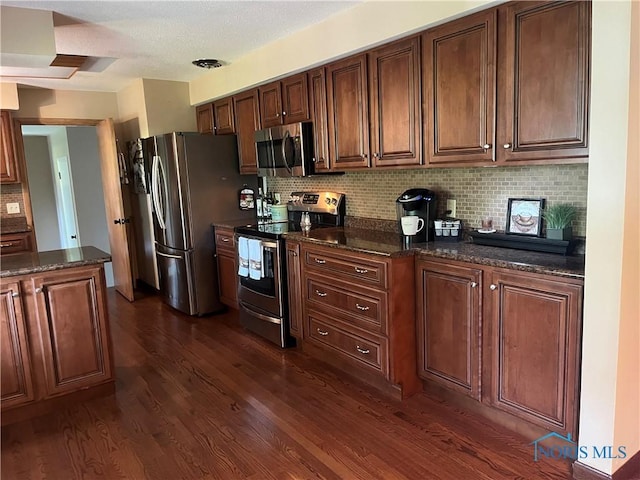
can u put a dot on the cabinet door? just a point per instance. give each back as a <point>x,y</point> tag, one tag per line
<point>228,279</point>
<point>74,331</point>
<point>295,99</point>
<point>318,107</point>
<point>535,342</point>
<point>544,80</point>
<point>17,385</point>
<point>8,164</point>
<point>247,120</point>
<point>223,116</point>
<point>396,115</point>
<point>295,289</point>
<point>459,83</point>
<point>271,105</point>
<point>204,118</point>
<point>348,113</point>
<point>449,335</point>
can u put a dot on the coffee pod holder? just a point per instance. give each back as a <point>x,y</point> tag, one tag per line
<point>448,230</point>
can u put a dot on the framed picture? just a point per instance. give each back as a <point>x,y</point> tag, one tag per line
<point>524,216</point>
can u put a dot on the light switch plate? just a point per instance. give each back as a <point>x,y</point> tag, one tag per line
<point>451,205</point>
<point>13,208</point>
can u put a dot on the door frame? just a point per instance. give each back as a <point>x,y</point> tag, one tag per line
<point>126,286</point>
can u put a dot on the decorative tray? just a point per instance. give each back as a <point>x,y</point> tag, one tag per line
<point>523,242</point>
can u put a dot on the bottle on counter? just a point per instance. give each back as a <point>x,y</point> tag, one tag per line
<point>267,204</point>
<point>260,204</point>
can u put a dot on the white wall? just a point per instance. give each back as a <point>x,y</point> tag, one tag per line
<point>87,188</point>
<point>43,198</point>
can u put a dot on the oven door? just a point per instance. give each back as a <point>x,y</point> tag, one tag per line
<point>266,294</point>
<point>280,151</point>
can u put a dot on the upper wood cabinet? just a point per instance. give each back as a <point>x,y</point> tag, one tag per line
<point>247,121</point>
<point>348,113</point>
<point>285,101</point>
<point>318,114</point>
<point>395,104</point>
<point>8,163</point>
<point>204,118</point>
<point>223,116</point>
<point>459,88</point>
<point>543,81</point>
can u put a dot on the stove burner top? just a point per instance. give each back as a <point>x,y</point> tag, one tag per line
<point>273,229</point>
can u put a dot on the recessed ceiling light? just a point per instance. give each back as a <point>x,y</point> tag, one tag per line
<point>207,63</point>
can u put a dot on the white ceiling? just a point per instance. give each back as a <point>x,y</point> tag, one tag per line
<point>159,39</point>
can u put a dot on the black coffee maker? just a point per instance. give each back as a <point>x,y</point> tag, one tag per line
<point>420,202</point>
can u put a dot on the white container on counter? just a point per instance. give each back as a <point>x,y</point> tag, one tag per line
<point>279,213</point>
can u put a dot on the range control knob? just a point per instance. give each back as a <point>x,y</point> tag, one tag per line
<point>327,200</point>
<point>334,201</point>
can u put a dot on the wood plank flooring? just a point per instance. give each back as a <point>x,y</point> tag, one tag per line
<point>202,398</point>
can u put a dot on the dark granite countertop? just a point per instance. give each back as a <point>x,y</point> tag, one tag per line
<point>26,263</point>
<point>392,245</point>
<point>234,222</point>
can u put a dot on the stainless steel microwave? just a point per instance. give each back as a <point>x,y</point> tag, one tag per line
<point>285,150</point>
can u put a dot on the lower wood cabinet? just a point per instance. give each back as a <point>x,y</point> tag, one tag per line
<point>227,260</point>
<point>55,339</point>
<point>20,242</point>
<point>508,338</point>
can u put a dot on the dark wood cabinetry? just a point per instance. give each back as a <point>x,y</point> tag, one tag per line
<point>227,267</point>
<point>318,113</point>
<point>449,325</point>
<point>459,87</point>
<point>223,116</point>
<point>294,285</point>
<point>8,163</point>
<point>204,118</point>
<point>247,121</point>
<point>395,104</point>
<point>348,113</point>
<point>56,344</point>
<point>283,102</point>
<point>543,80</point>
<point>20,242</point>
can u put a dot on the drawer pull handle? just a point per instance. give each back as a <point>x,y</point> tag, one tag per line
<point>321,294</point>
<point>361,270</point>
<point>363,308</point>
<point>10,244</point>
<point>320,261</point>
<point>364,351</point>
<point>322,332</point>
<point>224,239</point>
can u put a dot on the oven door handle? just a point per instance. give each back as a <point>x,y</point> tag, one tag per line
<point>261,316</point>
<point>272,246</point>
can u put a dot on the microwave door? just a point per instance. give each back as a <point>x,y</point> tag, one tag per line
<point>266,153</point>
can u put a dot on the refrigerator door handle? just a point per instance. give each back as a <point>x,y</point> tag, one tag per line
<point>155,190</point>
<point>166,255</point>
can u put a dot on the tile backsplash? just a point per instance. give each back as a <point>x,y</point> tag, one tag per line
<point>477,191</point>
<point>11,193</point>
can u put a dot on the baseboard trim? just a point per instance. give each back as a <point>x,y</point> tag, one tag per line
<point>630,470</point>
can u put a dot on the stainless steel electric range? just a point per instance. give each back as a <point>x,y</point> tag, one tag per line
<point>263,301</point>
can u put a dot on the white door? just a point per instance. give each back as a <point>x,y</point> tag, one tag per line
<point>68,220</point>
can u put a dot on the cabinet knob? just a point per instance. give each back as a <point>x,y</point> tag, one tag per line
<point>38,290</point>
<point>364,155</point>
<point>294,254</point>
<point>507,146</point>
<point>284,113</point>
<point>376,155</point>
<point>493,287</point>
<point>15,295</point>
<point>277,114</point>
<point>486,146</point>
<point>474,284</point>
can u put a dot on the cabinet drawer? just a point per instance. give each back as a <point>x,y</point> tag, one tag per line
<point>224,239</point>
<point>368,310</point>
<point>15,243</point>
<point>352,267</point>
<point>372,352</point>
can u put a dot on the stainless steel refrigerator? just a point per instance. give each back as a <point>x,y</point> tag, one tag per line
<point>195,182</point>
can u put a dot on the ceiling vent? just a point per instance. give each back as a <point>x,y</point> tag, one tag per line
<point>207,63</point>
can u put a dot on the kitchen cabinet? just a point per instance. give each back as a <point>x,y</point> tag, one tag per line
<point>509,339</point>
<point>227,260</point>
<point>449,325</point>
<point>55,338</point>
<point>543,81</point>
<point>348,113</point>
<point>8,160</point>
<point>247,122</point>
<point>395,104</point>
<point>223,116</point>
<point>204,118</point>
<point>285,101</point>
<point>17,383</point>
<point>318,113</point>
<point>294,286</point>
<point>19,242</point>
<point>459,72</point>
<point>356,317</point>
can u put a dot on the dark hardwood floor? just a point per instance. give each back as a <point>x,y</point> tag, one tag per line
<point>201,398</point>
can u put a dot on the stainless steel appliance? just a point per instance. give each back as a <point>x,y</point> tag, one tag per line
<point>420,202</point>
<point>194,182</point>
<point>285,150</point>
<point>263,302</point>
